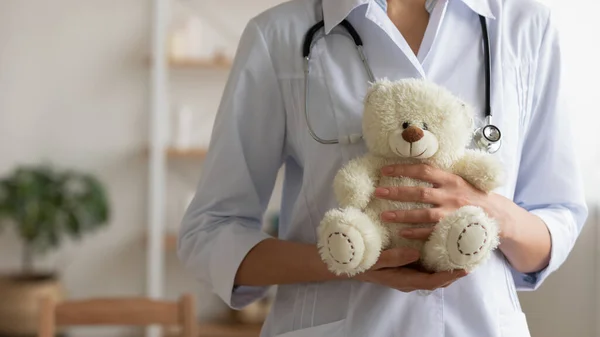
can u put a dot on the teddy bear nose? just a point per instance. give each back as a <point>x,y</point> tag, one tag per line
<point>412,134</point>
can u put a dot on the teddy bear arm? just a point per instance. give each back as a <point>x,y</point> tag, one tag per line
<point>480,169</point>
<point>355,183</point>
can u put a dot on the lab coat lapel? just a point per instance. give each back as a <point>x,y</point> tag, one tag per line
<point>334,11</point>
<point>376,14</point>
<point>483,7</point>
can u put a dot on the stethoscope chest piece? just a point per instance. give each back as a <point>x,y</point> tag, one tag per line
<point>489,138</point>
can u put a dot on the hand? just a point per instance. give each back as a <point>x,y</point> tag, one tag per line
<point>448,193</point>
<point>391,271</point>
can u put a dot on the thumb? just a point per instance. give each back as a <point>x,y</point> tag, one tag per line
<point>397,257</point>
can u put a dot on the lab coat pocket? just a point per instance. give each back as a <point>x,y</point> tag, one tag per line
<point>333,329</point>
<point>514,324</point>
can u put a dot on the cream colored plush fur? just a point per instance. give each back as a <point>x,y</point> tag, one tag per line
<point>438,127</point>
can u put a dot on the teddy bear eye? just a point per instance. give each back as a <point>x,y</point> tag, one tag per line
<point>405,125</point>
<point>425,127</point>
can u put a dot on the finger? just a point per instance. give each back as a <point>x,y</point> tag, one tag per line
<point>426,195</point>
<point>421,172</point>
<point>406,279</point>
<point>423,215</point>
<point>452,282</point>
<point>448,284</point>
<point>417,233</point>
<point>437,280</point>
<point>433,281</point>
<point>396,257</point>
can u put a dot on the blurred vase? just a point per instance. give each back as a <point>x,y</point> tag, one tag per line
<point>19,301</point>
<point>184,126</point>
<point>187,38</point>
<point>194,42</point>
<point>178,45</point>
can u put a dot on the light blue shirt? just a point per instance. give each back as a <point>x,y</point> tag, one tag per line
<point>260,128</point>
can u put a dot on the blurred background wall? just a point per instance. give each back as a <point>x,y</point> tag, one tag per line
<point>75,75</point>
<point>74,90</point>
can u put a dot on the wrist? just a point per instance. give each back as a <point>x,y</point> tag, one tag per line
<point>274,261</point>
<point>505,212</point>
<point>319,269</point>
<point>363,277</point>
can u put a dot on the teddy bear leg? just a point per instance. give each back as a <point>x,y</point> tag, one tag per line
<point>349,241</point>
<point>462,240</point>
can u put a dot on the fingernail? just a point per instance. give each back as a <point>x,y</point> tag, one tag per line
<point>412,255</point>
<point>382,191</point>
<point>389,215</point>
<point>388,170</point>
<point>407,232</point>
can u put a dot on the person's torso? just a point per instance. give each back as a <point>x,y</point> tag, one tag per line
<point>483,304</point>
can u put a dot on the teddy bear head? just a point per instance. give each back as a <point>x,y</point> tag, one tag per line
<point>417,120</point>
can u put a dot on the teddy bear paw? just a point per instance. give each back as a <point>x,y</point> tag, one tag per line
<point>348,243</point>
<point>462,240</point>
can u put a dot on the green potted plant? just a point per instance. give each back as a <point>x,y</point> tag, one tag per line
<point>44,206</point>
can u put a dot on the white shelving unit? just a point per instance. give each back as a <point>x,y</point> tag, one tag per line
<point>156,156</point>
<point>159,241</point>
<point>159,152</point>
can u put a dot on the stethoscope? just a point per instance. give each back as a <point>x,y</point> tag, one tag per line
<point>487,138</point>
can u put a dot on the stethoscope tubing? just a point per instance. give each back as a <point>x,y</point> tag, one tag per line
<point>309,41</point>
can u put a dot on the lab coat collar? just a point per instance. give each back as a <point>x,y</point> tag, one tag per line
<point>334,11</point>
<point>481,7</point>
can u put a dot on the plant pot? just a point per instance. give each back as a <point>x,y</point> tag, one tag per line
<point>19,301</point>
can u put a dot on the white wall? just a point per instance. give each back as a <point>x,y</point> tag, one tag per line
<point>74,86</point>
<point>73,90</point>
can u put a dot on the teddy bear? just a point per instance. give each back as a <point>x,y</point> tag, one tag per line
<point>410,121</point>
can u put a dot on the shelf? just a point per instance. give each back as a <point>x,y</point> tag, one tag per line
<point>170,242</point>
<point>192,153</point>
<point>186,153</point>
<point>219,63</point>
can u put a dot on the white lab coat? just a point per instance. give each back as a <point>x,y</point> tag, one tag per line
<point>260,127</point>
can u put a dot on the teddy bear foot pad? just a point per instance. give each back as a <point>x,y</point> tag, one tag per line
<point>348,241</point>
<point>462,240</point>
